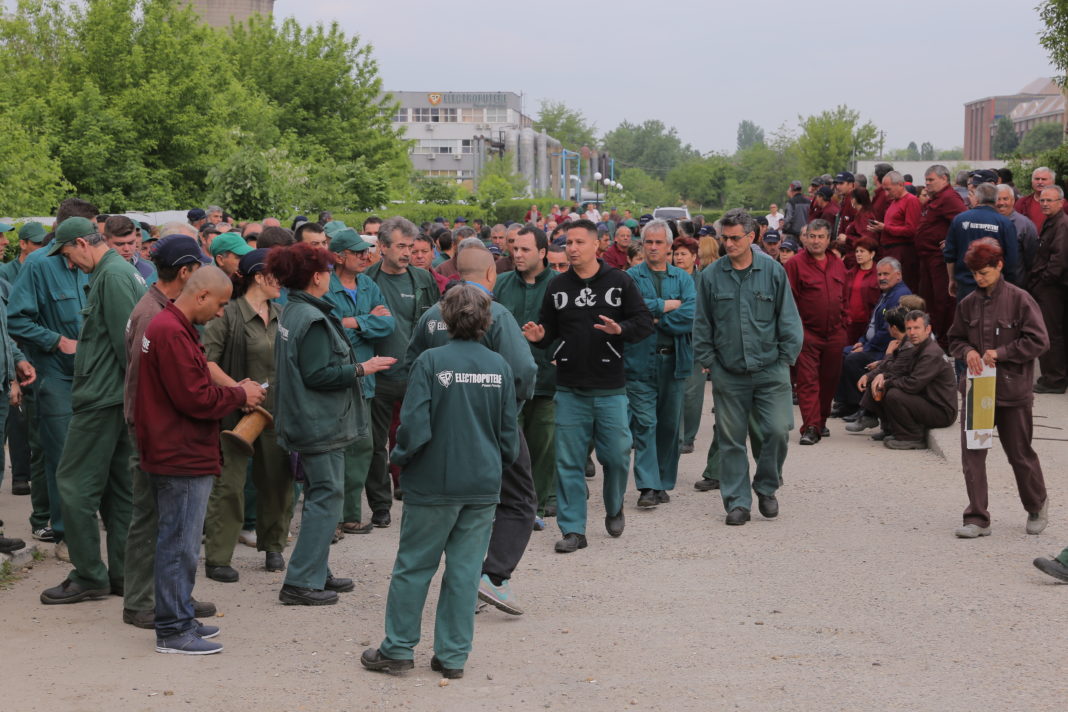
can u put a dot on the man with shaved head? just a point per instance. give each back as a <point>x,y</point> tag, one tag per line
<point>175,394</point>
<point>514,519</point>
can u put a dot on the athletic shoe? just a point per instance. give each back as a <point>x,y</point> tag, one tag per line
<point>539,524</point>
<point>247,537</point>
<point>1052,567</point>
<point>188,643</point>
<point>498,596</point>
<point>972,531</point>
<point>206,631</point>
<point>44,534</point>
<point>1037,521</point>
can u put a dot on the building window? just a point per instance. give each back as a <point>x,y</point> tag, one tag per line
<point>472,116</point>
<point>401,117</point>
<point>466,145</point>
<point>496,115</point>
<point>429,115</point>
<point>447,115</point>
<point>441,145</point>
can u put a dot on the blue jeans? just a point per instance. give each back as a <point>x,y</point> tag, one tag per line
<point>580,419</point>
<point>181,503</point>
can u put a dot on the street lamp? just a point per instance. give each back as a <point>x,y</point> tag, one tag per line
<point>597,180</point>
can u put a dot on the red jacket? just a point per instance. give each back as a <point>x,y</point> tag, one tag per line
<point>178,408</point>
<point>858,227</point>
<point>869,293</point>
<point>845,216</point>
<point>1028,205</point>
<point>935,217</point>
<point>827,212</point>
<point>616,257</point>
<point>819,291</point>
<point>902,218</point>
<point>880,201</point>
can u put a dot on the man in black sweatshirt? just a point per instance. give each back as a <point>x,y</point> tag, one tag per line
<point>592,308</point>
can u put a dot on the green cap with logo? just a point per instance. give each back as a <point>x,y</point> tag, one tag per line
<point>229,242</point>
<point>33,232</point>
<point>348,239</point>
<point>333,227</point>
<point>69,231</point>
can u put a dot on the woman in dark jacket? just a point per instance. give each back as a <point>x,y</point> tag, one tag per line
<point>317,413</point>
<point>458,429</point>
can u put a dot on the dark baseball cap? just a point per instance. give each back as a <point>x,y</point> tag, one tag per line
<point>772,236</point>
<point>826,192</point>
<point>253,262</point>
<point>195,214</point>
<point>845,177</point>
<point>177,250</point>
<point>982,176</point>
<point>789,244</point>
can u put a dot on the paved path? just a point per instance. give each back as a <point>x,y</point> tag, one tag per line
<point>858,597</point>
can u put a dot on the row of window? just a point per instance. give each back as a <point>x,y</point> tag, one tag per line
<point>443,145</point>
<point>462,175</point>
<point>435,115</point>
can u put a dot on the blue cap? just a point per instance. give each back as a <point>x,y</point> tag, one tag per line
<point>177,250</point>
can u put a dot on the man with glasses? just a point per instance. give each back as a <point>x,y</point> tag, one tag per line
<point>1029,205</point>
<point>748,333</point>
<point>1046,284</point>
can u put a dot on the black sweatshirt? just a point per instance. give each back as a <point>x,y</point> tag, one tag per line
<point>588,357</point>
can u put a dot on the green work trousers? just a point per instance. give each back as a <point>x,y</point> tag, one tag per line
<point>226,506</point>
<point>357,465</point>
<point>538,422</point>
<point>53,422</point>
<point>39,501</point>
<point>693,404</point>
<point>1063,557</point>
<point>462,533</point>
<point>712,465</point>
<point>655,415</point>
<point>379,486</point>
<point>140,593</point>
<point>324,495</point>
<point>94,475</point>
<point>764,395</point>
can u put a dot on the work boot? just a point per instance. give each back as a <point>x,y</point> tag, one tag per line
<point>447,673</point>
<point>297,596</point>
<point>810,436</point>
<point>222,574</point>
<point>647,500</point>
<point>1052,567</point>
<point>614,524</point>
<point>571,543</point>
<point>373,659</point>
<point>706,484</point>
<point>70,592</point>
<point>737,517</point>
<point>9,545</point>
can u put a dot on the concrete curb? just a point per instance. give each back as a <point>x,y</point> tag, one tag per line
<point>20,558</point>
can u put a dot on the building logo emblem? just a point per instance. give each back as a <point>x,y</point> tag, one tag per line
<point>434,99</point>
<point>445,378</point>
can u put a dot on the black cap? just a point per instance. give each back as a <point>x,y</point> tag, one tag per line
<point>845,177</point>
<point>176,250</point>
<point>826,192</point>
<point>253,262</point>
<point>789,244</point>
<point>982,176</point>
<point>772,236</point>
<point>195,214</point>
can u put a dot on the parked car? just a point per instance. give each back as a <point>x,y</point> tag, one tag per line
<point>682,213</point>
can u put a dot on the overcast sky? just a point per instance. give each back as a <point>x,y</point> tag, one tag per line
<point>703,67</point>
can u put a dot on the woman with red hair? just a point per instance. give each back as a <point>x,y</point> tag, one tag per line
<point>317,413</point>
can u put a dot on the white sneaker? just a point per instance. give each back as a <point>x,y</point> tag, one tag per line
<point>248,538</point>
<point>972,531</point>
<point>1037,521</point>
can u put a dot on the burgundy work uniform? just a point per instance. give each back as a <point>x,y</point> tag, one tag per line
<point>899,235</point>
<point>1006,320</point>
<point>880,201</point>
<point>935,217</point>
<point>1028,205</point>
<point>819,290</point>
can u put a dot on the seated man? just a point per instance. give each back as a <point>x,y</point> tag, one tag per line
<point>913,390</point>
<point>872,344</point>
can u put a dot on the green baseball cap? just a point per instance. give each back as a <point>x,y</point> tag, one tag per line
<point>4,227</point>
<point>333,227</point>
<point>34,232</point>
<point>69,231</point>
<point>229,242</point>
<point>348,239</point>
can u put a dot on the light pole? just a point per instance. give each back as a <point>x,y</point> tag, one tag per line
<point>597,181</point>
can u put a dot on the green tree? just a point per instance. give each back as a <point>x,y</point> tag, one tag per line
<point>646,190</point>
<point>650,146</point>
<point>749,134</point>
<point>912,152</point>
<point>832,140</point>
<point>763,172</point>
<point>927,151</point>
<point>1005,139</point>
<point>1041,138</point>
<point>243,184</point>
<point>31,182</point>
<point>952,154</point>
<point>566,125</point>
<point>501,167</point>
<point>1054,15</point>
<point>702,181</point>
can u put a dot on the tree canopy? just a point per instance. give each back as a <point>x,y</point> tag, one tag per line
<point>651,146</point>
<point>566,125</point>
<point>832,140</point>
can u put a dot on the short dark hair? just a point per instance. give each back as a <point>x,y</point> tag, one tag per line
<point>275,237</point>
<point>585,224</point>
<point>371,220</point>
<point>896,317</point>
<point>75,208</point>
<point>118,226</point>
<point>444,238</point>
<point>462,233</point>
<point>299,234</point>
<point>466,312</point>
<point>541,241</point>
<point>881,169</point>
<point>918,314</point>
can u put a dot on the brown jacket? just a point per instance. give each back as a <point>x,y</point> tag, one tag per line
<point>1051,257</point>
<point>922,370</point>
<point>1008,321</point>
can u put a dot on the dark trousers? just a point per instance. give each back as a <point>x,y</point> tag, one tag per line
<point>181,503</point>
<point>1050,298</point>
<point>910,268</point>
<point>18,444</point>
<point>854,365</point>
<point>909,415</point>
<point>379,487</point>
<point>818,368</point>
<point>1014,432</point>
<point>513,520</point>
<point>934,288</point>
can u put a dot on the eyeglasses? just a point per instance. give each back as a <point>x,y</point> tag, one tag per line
<point>736,237</point>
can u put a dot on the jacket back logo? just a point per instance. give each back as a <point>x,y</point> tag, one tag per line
<point>445,378</point>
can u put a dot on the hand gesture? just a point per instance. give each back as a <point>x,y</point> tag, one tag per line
<point>377,363</point>
<point>609,327</point>
<point>25,373</point>
<point>67,346</point>
<point>381,310</point>
<point>990,358</point>
<point>533,332</point>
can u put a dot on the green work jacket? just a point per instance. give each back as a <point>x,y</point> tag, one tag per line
<point>639,359</point>
<point>372,328</point>
<point>524,301</point>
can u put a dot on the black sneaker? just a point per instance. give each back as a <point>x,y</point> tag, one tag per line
<point>768,505</point>
<point>70,592</point>
<point>44,534</point>
<point>373,659</point>
<point>297,596</point>
<point>222,574</point>
<point>706,484</point>
<point>647,500</point>
<point>614,524</point>
<point>447,673</point>
<point>571,543</point>
<point>8,545</point>
<point>810,436</point>
<point>381,518</point>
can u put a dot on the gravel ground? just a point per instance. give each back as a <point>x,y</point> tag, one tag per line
<point>857,597</point>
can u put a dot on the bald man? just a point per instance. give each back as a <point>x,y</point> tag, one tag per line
<point>514,518</point>
<point>175,394</point>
